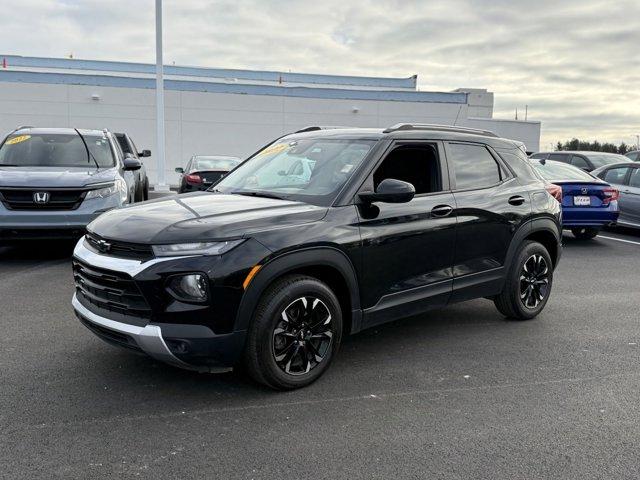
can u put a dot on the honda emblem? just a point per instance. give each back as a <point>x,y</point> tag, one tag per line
<point>41,197</point>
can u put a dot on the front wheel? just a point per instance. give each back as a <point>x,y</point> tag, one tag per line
<point>295,333</point>
<point>528,284</point>
<point>585,233</point>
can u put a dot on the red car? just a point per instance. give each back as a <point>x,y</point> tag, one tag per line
<point>202,171</point>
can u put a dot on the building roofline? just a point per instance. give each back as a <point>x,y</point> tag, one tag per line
<point>7,75</point>
<point>253,75</point>
<point>505,120</point>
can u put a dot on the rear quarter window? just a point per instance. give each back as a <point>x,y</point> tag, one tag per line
<point>519,163</point>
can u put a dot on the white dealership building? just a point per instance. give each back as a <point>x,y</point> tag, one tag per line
<point>224,111</point>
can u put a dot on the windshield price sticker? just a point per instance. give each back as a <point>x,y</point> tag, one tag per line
<point>277,148</point>
<point>18,139</point>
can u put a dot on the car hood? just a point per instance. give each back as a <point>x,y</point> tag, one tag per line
<point>35,177</point>
<point>201,216</point>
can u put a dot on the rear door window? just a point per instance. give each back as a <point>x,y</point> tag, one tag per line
<point>616,176</point>
<point>634,180</point>
<point>560,157</point>
<point>578,161</point>
<point>474,166</point>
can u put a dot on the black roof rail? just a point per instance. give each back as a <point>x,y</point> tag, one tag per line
<point>442,128</point>
<point>313,128</point>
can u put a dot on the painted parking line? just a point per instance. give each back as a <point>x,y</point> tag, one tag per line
<point>618,239</point>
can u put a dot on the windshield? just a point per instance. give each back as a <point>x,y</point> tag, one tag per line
<point>561,172</point>
<point>307,170</point>
<point>201,164</point>
<point>601,160</point>
<point>55,150</point>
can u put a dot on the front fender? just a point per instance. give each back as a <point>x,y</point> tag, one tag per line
<point>291,261</point>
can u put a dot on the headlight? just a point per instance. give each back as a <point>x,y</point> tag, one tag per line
<point>197,248</point>
<point>117,187</point>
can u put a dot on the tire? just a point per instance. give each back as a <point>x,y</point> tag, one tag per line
<point>138,194</point>
<point>585,233</point>
<point>145,191</point>
<point>288,354</point>
<point>510,302</point>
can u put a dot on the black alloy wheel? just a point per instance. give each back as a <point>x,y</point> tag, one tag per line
<point>534,281</point>
<point>527,287</point>
<point>295,333</point>
<point>302,337</point>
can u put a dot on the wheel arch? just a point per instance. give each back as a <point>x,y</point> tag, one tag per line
<point>327,264</point>
<point>542,230</point>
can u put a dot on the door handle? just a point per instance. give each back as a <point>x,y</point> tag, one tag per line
<point>516,200</point>
<point>441,210</point>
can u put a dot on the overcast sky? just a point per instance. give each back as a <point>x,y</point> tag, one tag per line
<point>575,63</point>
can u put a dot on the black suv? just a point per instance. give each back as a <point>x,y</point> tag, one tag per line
<point>322,233</point>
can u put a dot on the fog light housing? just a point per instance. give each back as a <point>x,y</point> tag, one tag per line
<point>192,287</point>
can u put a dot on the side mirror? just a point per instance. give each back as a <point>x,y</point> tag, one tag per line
<point>145,153</point>
<point>390,190</point>
<point>131,163</point>
<point>179,170</point>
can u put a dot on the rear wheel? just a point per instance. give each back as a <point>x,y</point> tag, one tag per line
<point>528,284</point>
<point>585,233</point>
<point>295,333</point>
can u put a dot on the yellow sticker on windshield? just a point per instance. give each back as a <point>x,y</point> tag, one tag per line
<point>277,148</point>
<point>18,139</point>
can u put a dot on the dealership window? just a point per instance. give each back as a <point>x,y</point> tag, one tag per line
<point>416,164</point>
<point>474,166</point>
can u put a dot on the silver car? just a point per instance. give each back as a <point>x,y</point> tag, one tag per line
<point>626,178</point>
<point>54,181</point>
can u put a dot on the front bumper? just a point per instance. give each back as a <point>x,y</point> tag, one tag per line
<point>177,340</point>
<point>148,338</point>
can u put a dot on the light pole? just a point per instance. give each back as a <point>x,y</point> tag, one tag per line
<point>162,183</point>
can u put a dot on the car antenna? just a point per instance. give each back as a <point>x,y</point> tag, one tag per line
<point>89,154</point>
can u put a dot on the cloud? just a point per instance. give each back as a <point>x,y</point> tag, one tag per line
<point>576,64</point>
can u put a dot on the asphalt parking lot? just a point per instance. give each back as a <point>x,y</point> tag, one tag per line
<point>458,393</point>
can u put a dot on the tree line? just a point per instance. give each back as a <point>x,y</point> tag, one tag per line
<point>594,146</point>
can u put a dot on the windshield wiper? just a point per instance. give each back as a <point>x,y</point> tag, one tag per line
<point>260,194</point>
<point>89,154</point>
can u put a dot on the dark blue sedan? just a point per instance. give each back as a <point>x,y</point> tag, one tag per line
<point>588,203</point>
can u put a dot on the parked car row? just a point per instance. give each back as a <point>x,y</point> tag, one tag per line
<point>54,181</point>
<point>588,203</point>
<point>586,161</point>
<point>609,194</point>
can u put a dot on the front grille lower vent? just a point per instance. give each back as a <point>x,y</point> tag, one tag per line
<point>109,290</point>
